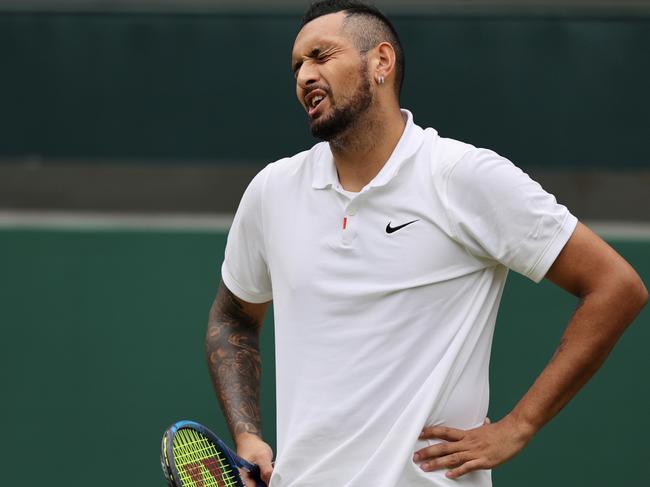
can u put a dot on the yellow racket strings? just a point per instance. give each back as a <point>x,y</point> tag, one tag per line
<point>199,463</point>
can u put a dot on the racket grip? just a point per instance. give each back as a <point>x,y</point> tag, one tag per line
<point>255,473</point>
<point>251,468</point>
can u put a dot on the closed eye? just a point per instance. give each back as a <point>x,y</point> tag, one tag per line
<point>318,54</point>
<point>322,59</point>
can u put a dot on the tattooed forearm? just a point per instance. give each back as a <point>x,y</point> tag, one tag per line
<point>233,355</point>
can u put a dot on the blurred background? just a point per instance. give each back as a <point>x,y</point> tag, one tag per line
<point>129,130</point>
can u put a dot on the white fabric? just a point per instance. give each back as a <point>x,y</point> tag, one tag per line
<point>379,334</point>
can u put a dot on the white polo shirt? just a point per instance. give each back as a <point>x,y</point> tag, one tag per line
<point>385,300</point>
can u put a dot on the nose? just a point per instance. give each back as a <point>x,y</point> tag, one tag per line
<point>307,75</point>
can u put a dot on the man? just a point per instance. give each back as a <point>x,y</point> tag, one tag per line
<point>385,250</point>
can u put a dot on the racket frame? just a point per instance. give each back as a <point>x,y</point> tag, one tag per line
<point>168,463</point>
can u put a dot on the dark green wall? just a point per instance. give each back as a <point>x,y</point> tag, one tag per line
<point>102,348</point>
<point>541,89</point>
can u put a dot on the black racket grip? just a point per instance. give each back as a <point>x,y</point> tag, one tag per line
<point>254,471</point>
<point>251,468</point>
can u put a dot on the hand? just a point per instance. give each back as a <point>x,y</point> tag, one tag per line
<point>251,447</point>
<point>464,451</point>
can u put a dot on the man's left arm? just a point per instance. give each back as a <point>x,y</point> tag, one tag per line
<point>611,295</point>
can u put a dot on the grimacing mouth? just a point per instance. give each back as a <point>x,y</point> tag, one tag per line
<point>315,100</point>
<point>314,97</point>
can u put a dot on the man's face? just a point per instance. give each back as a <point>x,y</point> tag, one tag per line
<point>332,81</point>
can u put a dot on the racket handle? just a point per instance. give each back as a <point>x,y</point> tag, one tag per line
<point>251,468</point>
<point>254,472</point>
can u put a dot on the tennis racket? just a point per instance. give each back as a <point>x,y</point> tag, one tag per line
<point>193,456</point>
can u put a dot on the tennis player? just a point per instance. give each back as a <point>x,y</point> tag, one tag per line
<point>385,249</point>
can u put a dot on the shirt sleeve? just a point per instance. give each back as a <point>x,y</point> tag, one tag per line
<point>498,212</point>
<point>244,271</point>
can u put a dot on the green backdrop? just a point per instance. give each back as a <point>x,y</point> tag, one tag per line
<point>102,348</point>
<point>548,89</point>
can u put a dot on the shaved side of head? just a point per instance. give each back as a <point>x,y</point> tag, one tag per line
<point>366,26</point>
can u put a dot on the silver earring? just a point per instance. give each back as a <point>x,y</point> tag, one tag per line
<point>381,80</point>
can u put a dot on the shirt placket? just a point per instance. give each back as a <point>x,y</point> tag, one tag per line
<point>350,218</point>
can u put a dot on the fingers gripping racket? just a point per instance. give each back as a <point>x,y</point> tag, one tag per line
<point>193,456</point>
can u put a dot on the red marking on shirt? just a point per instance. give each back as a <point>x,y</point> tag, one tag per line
<point>345,222</point>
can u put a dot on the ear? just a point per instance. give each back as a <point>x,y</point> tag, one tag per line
<point>383,61</point>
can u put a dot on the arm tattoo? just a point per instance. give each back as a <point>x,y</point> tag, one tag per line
<point>233,355</point>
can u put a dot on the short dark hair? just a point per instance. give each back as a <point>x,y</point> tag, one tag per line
<point>373,28</point>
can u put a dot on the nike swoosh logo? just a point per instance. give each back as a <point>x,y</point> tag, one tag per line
<point>390,229</point>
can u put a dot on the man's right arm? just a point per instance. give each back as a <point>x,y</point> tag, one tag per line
<point>233,356</point>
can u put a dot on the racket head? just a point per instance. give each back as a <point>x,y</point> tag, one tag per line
<point>193,456</point>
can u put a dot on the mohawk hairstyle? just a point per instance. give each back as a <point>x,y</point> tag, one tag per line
<point>370,28</point>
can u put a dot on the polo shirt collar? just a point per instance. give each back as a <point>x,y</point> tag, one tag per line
<point>325,175</point>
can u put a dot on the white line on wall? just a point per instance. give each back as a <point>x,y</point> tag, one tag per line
<point>174,222</point>
<point>214,222</point>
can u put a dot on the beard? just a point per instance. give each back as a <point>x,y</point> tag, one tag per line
<point>344,117</point>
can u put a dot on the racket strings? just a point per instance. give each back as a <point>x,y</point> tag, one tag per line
<point>199,463</point>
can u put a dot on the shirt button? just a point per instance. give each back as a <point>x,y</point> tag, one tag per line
<point>352,211</point>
